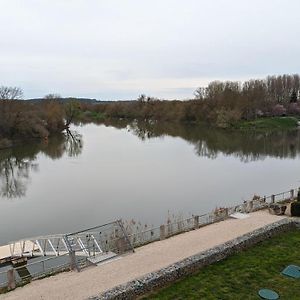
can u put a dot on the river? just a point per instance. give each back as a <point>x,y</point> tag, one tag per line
<point>145,172</point>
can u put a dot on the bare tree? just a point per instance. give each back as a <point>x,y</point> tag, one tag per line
<point>200,93</point>
<point>52,97</point>
<point>72,110</point>
<point>142,98</point>
<point>10,93</point>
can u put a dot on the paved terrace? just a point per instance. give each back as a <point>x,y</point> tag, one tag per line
<point>146,259</point>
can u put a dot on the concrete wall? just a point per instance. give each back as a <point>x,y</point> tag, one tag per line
<point>170,274</point>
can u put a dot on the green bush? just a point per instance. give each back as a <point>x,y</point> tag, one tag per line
<point>295,209</point>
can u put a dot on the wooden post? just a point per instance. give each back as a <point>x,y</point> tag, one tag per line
<point>250,206</point>
<point>125,234</point>
<point>11,280</point>
<point>226,212</point>
<point>162,232</point>
<point>273,199</point>
<point>73,263</point>
<point>196,222</point>
<point>292,194</point>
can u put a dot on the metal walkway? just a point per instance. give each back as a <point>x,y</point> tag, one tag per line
<point>104,241</point>
<point>55,245</point>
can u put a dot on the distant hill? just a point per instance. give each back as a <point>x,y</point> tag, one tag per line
<point>84,100</point>
<point>66,99</point>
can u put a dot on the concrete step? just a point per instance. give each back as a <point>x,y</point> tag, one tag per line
<point>95,260</point>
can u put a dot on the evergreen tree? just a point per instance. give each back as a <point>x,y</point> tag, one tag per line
<point>293,98</point>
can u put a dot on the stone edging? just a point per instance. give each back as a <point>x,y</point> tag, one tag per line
<point>159,279</point>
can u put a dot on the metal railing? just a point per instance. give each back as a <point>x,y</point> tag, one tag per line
<point>142,237</point>
<point>35,269</point>
<point>118,238</point>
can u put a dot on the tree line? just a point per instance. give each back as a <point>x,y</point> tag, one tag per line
<point>221,103</point>
<point>233,100</point>
<point>21,120</point>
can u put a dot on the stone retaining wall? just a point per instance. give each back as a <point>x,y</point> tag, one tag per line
<point>161,278</point>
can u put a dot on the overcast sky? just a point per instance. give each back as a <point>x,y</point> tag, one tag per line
<point>118,49</point>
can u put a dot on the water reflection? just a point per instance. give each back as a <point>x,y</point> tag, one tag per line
<point>14,172</point>
<point>110,179</point>
<point>211,142</point>
<point>17,163</point>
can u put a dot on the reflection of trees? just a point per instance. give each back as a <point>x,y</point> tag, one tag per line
<point>144,131</point>
<point>201,149</point>
<point>73,144</point>
<point>210,142</point>
<point>14,173</point>
<point>17,163</point>
<point>69,142</point>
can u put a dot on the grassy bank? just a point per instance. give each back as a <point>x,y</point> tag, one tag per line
<point>90,116</point>
<point>242,275</point>
<point>271,123</point>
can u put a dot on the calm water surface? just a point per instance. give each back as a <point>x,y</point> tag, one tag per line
<point>144,172</point>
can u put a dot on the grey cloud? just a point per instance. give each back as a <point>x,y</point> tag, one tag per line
<point>115,49</point>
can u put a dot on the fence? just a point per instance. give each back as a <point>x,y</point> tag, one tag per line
<point>84,246</point>
<point>11,277</point>
<point>118,238</point>
<point>142,237</point>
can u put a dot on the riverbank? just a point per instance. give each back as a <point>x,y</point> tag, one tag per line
<point>6,144</point>
<point>146,259</point>
<point>9,144</point>
<point>269,123</point>
<point>23,121</point>
<point>260,124</point>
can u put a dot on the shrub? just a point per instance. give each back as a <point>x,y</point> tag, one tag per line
<point>295,209</point>
<point>294,109</point>
<point>279,110</point>
<point>227,118</point>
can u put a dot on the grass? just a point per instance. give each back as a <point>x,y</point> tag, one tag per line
<point>270,123</point>
<point>241,276</point>
<point>92,116</point>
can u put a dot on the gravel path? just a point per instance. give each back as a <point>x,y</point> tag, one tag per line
<point>146,259</point>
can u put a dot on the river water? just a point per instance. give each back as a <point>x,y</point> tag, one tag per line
<point>145,172</point>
